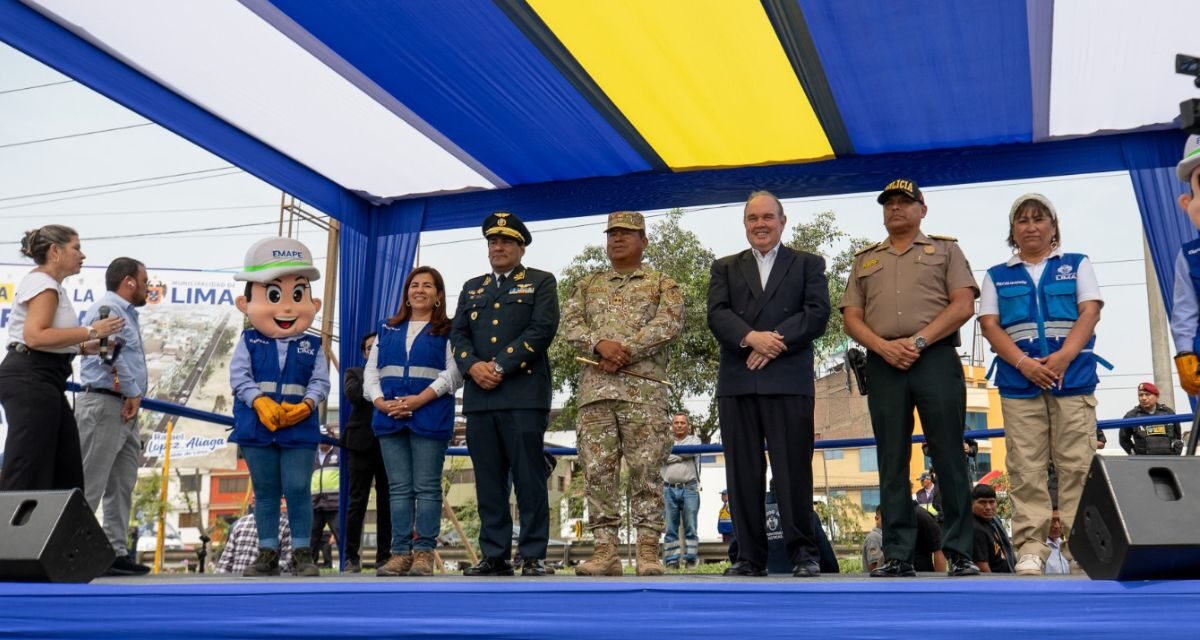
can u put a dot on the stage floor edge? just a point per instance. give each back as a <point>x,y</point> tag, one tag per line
<point>628,608</point>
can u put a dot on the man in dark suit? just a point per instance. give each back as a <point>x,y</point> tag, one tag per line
<point>501,334</point>
<point>365,464</point>
<point>766,305</point>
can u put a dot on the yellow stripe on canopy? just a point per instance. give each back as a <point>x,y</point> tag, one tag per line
<point>705,82</point>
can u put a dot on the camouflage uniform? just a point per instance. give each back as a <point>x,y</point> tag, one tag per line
<point>622,415</point>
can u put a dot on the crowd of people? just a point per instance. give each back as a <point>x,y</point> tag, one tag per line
<point>905,300</point>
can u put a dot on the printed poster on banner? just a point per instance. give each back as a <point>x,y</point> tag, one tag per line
<point>189,325</point>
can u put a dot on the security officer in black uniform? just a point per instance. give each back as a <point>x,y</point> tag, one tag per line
<point>501,334</point>
<point>905,301</point>
<point>1151,439</point>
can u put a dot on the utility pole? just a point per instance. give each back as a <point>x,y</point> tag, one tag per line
<point>1160,335</point>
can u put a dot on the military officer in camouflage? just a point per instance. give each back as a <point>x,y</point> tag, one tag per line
<point>624,317</point>
<point>502,330</point>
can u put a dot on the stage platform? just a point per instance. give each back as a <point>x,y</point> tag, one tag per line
<point>686,606</point>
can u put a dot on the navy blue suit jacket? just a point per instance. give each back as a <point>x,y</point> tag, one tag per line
<point>513,326</point>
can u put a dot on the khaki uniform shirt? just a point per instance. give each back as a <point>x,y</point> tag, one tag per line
<point>642,310</point>
<point>901,293</point>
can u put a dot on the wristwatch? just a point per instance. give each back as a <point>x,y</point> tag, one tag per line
<point>92,333</point>
<point>497,368</point>
<point>919,343</point>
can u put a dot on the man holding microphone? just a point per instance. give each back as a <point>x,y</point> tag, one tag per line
<point>114,382</point>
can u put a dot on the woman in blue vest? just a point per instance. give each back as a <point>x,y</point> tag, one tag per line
<point>1039,312</point>
<point>411,377</point>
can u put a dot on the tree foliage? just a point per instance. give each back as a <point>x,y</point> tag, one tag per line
<point>147,500</point>
<point>841,516</point>
<point>821,236</point>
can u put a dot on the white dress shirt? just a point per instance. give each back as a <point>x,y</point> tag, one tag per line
<point>765,262</point>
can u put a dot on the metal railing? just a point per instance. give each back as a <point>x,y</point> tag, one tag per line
<point>843,443</point>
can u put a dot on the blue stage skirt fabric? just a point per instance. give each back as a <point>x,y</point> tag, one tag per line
<point>697,607</point>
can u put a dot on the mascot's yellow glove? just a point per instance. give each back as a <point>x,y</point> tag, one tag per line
<point>269,412</point>
<point>294,413</point>
<point>1186,363</point>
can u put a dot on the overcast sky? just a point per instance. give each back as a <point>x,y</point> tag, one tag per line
<point>205,214</point>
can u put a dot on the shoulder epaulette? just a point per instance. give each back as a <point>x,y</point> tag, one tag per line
<point>867,248</point>
<point>936,236</point>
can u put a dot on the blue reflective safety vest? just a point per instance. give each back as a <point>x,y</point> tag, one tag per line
<point>1191,254</point>
<point>1038,319</point>
<point>288,385</point>
<point>405,372</point>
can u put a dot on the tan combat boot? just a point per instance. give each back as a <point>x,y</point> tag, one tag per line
<point>397,565</point>
<point>604,562</point>
<point>648,563</point>
<point>422,563</point>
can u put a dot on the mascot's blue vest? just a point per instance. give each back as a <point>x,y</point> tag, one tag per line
<point>407,372</point>
<point>288,385</point>
<point>1038,319</point>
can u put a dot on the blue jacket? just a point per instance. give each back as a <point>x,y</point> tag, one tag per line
<point>404,372</point>
<point>288,385</point>
<point>1038,318</point>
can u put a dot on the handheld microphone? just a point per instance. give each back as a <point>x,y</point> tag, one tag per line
<point>104,311</point>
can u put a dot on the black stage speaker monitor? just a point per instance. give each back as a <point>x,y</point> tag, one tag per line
<point>50,536</point>
<point>1139,519</point>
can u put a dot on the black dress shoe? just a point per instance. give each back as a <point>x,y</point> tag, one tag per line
<point>123,566</point>
<point>536,568</point>
<point>807,569</point>
<point>894,569</point>
<point>745,568</point>
<point>960,566</point>
<point>490,567</point>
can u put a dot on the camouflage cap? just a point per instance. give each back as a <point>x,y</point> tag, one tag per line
<point>625,220</point>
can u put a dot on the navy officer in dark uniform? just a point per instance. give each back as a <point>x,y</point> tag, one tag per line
<point>501,334</point>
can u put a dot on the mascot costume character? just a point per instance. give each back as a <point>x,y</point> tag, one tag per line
<point>279,376</point>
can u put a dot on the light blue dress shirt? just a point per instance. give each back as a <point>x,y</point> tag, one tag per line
<point>130,363</point>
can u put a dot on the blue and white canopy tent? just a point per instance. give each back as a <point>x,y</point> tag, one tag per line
<point>400,117</point>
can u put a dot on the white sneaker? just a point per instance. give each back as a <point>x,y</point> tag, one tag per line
<point>1030,565</point>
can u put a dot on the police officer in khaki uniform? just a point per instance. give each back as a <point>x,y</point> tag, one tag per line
<point>624,317</point>
<point>502,330</point>
<point>905,300</point>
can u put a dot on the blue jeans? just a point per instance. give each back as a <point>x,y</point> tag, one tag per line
<point>685,500</point>
<point>414,470</point>
<point>279,471</point>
